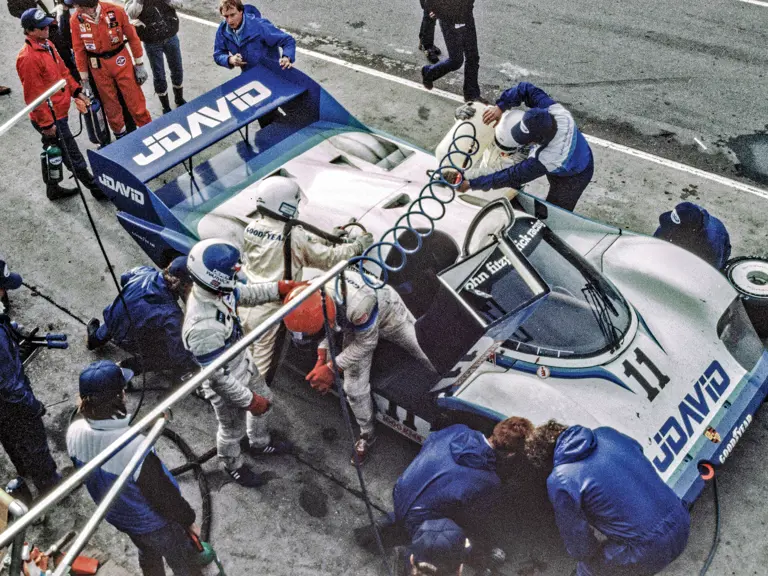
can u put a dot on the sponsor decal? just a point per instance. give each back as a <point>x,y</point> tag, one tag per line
<point>120,61</point>
<point>523,128</point>
<point>123,189</point>
<point>697,404</point>
<point>91,47</point>
<point>39,14</point>
<point>142,239</point>
<point>736,435</point>
<point>674,216</point>
<point>177,134</point>
<point>399,427</point>
<point>712,435</point>
<point>266,234</point>
<point>543,372</point>
<point>84,27</point>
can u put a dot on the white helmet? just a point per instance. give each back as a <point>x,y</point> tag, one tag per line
<point>504,138</point>
<point>214,264</point>
<point>279,195</point>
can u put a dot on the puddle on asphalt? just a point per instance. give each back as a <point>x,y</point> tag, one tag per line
<point>752,152</point>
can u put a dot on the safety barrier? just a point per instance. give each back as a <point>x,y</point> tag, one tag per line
<point>32,105</point>
<point>16,509</point>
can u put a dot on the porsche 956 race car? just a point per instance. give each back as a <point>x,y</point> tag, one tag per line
<point>524,309</point>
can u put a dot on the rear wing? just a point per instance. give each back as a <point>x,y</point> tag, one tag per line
<point>124,168</point>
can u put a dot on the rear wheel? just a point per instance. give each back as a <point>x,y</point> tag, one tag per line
<point>749,275</point>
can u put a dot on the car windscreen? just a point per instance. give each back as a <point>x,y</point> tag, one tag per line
<point>583,316</point>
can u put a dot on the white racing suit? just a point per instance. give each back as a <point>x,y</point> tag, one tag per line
<point>370,315</point>
<point>211,326</point>
<point>264,261</point>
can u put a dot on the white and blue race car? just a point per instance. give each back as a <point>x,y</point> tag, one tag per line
<point>523,308</point>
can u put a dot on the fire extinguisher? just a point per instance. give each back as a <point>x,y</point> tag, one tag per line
<point>50,162</point>
<point>96,124</point>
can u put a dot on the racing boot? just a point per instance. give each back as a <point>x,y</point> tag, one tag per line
<point>247,477</point>
<point>178,96</point>
<point>274,448</point>
<point>87,179</point>
<point>19,489</point>
<point>55,192</point>
<point>363,447</point>
<point>91,342</point>
<point>165,102</point>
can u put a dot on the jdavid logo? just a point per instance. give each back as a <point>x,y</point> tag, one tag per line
<point>172,137</point>
<point>116,186</point>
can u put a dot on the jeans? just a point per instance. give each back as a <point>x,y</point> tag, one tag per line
<point>427,29</point>
<point>77,164</point>
<point>172,51</point>
<point>172,543</point>
<point>565,191</point>
<point>462,50</point>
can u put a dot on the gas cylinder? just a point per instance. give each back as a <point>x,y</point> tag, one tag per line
<point>50,162</point>
<point>96,124</point>
<point>469,136</point>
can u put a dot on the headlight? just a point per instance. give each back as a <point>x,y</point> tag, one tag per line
<point>735,330</point>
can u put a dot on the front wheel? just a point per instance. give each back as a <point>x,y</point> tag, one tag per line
<point>749,275</point>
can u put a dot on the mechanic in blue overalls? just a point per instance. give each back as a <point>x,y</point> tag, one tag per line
<point>559,151</point>
<point>693,228</point>
<point>439,547</point>
<point>151,327</point>
<point>615,514</point>
<point>22,433</point>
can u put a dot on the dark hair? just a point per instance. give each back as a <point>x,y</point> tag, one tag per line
<point>102,407</point>
<point>178,286</point>
<point>224,4</point>
<point>540,446</point>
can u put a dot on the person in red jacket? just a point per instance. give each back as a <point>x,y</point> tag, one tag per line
<point>40,66</point>
<point>99,33</point>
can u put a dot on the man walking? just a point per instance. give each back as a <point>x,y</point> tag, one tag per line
<point>150,508</point>
<point>39,66</point>
<point>157,24</point>
<point>458,26</point>
<point>99,32</point>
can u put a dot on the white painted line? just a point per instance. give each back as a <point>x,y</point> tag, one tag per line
<point>756,3</point>
<point>700,143</point>
<point>591,139</point>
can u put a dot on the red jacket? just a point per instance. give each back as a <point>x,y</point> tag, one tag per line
<point>39,66</point>
<point>103,36</point>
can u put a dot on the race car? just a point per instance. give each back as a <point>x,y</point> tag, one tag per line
<point>523,308</point>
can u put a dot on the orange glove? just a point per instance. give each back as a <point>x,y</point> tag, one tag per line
<point>285,286</point>
<point>259,405</point>
<point>321,377</point>
<point>322,357</point>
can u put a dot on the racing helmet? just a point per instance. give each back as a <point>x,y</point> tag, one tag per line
<point>279,195</point>
<point>504,139</point>
<point>213,264</point>
<point>308,317</point>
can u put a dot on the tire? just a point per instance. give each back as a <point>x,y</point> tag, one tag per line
<point>749,276</point>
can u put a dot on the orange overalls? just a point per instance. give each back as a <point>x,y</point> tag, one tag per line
<point>100,48</point>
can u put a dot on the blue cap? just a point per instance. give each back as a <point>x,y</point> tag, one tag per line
<point>537,125</point>
<point>178,269</point>
<point>35,19</point>
<point>441,543</point>
<point>8,279</point>
<point>103,378</point>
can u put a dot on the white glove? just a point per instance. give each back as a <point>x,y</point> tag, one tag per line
<point>340,232</point>
<point>464,112</point>
<point>85,82</point>
<point>364,242</point>
<point>141,74</point>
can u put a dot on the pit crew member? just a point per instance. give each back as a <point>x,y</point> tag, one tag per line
<point>368,315</point>
<point>99,32</point>
<point>275,247</point>
<point>693,228</point>
<point>150,509</point>
<point>237,391</point>
<point>151,326</point>
<point>560,151</point>
<point>615,514</point>
<point>39,65</point>
<point>22,433</point>
<point>438,548</point>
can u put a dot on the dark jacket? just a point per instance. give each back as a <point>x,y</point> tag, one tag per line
<point>159,19</point>
<point>14,384</point>
<point>454,476</point>
<point>155,319</point>
<point>601,479</point>
<point>704,236</point>
<point>456,11</point>
<point>256,38</point>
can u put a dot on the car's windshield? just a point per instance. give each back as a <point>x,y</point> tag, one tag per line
<point>583,315</point>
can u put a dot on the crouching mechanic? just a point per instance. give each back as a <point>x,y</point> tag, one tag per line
<point>368,315</point>
<point>150,508</point>
<point>693,228</point>
<point>559,151</point>
<point>615,514</point>
<point>150,328</point>
<point>237,391</point>
<point>276,247</point>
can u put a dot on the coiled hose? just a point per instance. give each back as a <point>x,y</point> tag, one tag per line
<point>455,160</point>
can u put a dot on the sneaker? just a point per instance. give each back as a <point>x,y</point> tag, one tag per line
<point>246,477</point>
<point>19,489</point>
<point>427,83</point>
<point>363,447</point>
<point>432,53</point>
<point>90,334</point>
<point>274,448</point>
<point>4,90</point>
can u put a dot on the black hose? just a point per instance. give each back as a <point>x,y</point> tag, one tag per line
<point>716,539</point>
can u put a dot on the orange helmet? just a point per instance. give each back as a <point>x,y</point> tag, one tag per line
<point>308,317</point>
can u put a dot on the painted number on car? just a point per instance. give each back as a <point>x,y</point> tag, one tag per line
<point>633,371</point>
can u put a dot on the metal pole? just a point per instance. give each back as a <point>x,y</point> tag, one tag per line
<point>113,493</point>
<point>63,489</point>
<point>32,105</point>
<point>17,509</point>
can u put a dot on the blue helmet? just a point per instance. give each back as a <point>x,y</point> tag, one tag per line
<point>213,264</point>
